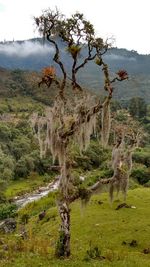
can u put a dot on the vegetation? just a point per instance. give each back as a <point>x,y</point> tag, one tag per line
<point>64,123</point>
<point>58,130</point>
<point>110,231</point>
<point>138,107</point>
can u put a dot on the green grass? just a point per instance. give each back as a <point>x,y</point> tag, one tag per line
<point>35,207</point>
<point>101,225</point>
<point>20,187</point>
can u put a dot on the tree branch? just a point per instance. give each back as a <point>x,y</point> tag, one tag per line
<point>86,193</point>
<point>57,60</point>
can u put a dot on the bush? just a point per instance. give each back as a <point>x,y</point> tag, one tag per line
<point>147,184</point>
<point>7,211</point>
<point>22,169</point>
<point>20,147</point>
<point>143,157</point>
<point>141,173</point>
<point>93,253</point>
<point>5,133</point>
<point>93,157</point>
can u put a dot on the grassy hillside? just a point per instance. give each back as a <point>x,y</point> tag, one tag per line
<point>17,83</point>
<point>121,236</point>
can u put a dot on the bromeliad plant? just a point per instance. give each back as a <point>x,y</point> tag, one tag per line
<point>65,121</point>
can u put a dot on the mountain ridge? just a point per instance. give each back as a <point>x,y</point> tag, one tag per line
<point>33,55</point>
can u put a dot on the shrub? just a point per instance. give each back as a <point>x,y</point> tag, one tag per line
<point>93,253</point>
<point>93,157</point>
<point>143,157</point>
<point>141,173</point>
<point>7,211</point>
<point>5,133</point>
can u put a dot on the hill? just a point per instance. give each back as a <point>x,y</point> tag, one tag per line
<point>121,237</point>
<point>15,83</point>
<point>33,55</point>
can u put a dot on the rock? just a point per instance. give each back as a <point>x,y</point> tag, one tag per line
<point>146,250</point>
<point>8,225</point>
<point>124,205</point>
<point>42,215</point>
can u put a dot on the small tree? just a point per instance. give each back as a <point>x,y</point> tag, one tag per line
<point>66,121</point>
<point>127,137</point>
<point>137,107</point>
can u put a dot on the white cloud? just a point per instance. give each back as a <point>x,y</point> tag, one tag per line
<point>117,57</point>
<point>24,49</point>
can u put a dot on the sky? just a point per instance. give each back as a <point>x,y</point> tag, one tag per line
<point>127,21</point>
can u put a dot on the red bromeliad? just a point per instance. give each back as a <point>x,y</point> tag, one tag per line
<point>123,75</point>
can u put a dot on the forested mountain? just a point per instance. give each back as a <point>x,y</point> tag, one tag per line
<point>33,55</point>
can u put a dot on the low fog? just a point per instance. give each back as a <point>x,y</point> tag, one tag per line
<point>115,57</point>
<point>24,49</point>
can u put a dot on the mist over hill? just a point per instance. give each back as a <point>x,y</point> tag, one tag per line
<point>33,55</point>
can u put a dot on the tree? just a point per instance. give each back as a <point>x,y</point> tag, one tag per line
<point>67,121</point>
<point>127,138</point>
<point>137,107</point>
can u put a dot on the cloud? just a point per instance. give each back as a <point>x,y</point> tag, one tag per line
<point>117,57</point>
<point>24,49</point>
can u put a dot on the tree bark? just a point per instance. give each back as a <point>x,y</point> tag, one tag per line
<point>63,244</point>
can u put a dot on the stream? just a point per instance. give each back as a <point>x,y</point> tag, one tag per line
<point>22,201</point>
<point>9,224</point>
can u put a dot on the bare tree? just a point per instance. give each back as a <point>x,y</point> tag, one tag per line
<point>65,122</point>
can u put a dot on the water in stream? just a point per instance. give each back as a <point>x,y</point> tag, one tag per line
<point>41,192</point>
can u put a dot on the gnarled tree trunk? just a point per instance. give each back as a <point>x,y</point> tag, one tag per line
<point>63,244</point>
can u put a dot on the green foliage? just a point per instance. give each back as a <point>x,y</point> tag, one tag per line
<point>121,116</point>
<point>93,157</point>
<point>7,165</point>
<point>142,156</point>
<point>20,146</point>
<point>137,107</point>
<point>93,253</point>
<point>21,169</point>
<point>84,194</point>
<point>147,184</point>
<point>2,190</point>
<point>19,150</point>
<point>7,211</point>
<point>59,251</point>
<point>115,105</point>
<point>24,218</point>
<point>141,173</point>
<point>7,174</point>
<point>22,186</point>
<point>5,132</point>
<point>36,207</point>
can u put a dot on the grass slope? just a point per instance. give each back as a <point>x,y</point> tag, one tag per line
<point>98,224</point>
<point>23,186</point>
